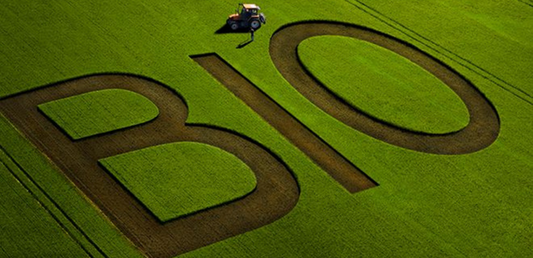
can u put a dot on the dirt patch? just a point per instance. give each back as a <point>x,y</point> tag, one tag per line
<point>484,124</point>
<point>276,193</point>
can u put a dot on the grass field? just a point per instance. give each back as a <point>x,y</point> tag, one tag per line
<point>23,215</point>
<point>99,112</point>
<point>383,84</point>
<point>179,179</point>
<point>475,203</point>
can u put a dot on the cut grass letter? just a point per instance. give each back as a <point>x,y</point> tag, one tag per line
<point>99,112</point>
<point>383,84</point>
<point>181,178</point>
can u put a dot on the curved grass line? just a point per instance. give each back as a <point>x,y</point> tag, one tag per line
<point>346,102</point>
<point>484,124</point>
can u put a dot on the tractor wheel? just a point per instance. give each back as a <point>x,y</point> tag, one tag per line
<point>255,24</point>
<point>234,26</point>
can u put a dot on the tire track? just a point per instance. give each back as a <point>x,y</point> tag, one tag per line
<point>66,223</point>
<point>467,63</point>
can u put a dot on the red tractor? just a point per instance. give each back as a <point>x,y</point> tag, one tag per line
<point>246,16</point>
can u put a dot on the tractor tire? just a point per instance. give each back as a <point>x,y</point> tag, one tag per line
<point>255,24</point>
<point>234,26</point>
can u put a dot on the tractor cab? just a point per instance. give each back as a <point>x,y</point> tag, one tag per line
<point>248,9</point>
<point>246,16</point>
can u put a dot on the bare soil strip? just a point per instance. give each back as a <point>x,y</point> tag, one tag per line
<point>276,193</point>
<point>322,154</point>
<point>484,124</point>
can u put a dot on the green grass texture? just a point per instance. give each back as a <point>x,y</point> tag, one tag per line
<point>473,205</point>
<point>99,112</point>
<point>22,215</point>
<point>60,198</point>
<point>383,84</point>
<point>501,49</point>
<point>179,179</point>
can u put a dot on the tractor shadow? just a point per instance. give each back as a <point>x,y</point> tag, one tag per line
<point>225,29</point>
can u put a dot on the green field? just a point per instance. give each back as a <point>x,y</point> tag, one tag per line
<point>383,84</point>
<point>472,205</point>
<point>24,214</point>
<point>178,179</point>
<point>99,112</point>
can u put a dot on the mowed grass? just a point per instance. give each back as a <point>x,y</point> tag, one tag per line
<point>99,112</point>
<point>179,179</point>
<point>383,84</point>
<point>473,205</point>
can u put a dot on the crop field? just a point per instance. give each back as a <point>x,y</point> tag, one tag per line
<point>345,128</point>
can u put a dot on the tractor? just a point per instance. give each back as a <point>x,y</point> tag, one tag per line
<point>246,16</point>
